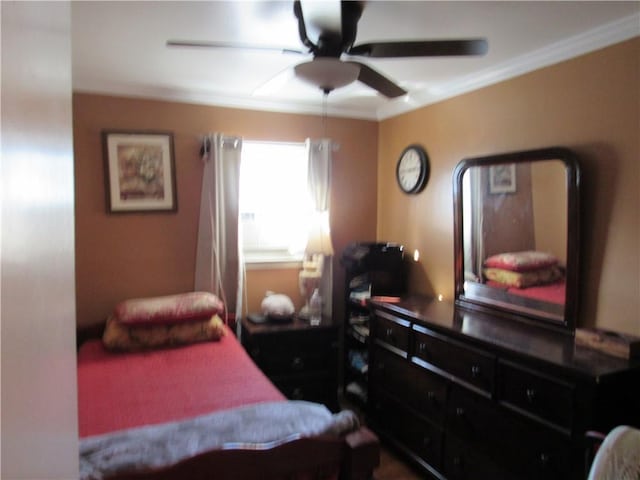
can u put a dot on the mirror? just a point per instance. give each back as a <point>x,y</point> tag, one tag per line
<point>516,234</point>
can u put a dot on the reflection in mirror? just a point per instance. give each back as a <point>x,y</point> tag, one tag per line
<point>516,233</point>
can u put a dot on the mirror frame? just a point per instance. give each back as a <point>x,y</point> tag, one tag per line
<point>572,179</point>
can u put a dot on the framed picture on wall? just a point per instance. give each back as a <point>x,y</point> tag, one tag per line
<point>140,171</point>
<point>502,178</point>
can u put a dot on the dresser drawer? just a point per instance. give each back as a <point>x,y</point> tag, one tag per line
<point>473,418</point>
<point>389,372</point>
<point>427,394</point>
<point>469,365</point>
<point>527,448</point>
<point>392,332</point>
<point>463,463</point>
<point>421,389</point>
<point>535,394</point>
<point>419,436</point>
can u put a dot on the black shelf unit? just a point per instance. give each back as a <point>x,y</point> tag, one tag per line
<point>371,269</point>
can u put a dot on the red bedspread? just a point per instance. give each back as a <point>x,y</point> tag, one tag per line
<point>552,293</point>
<point>123,390</point>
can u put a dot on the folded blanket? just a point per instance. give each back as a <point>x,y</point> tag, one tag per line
<point>262,425</point>
<point>618,457</point>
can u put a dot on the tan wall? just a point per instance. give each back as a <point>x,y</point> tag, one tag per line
<point>124,256</point>
<point>590,104</point>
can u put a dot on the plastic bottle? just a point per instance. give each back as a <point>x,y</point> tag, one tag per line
<point>315,308</point>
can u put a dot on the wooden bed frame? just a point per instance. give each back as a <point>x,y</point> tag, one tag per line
<point>355,455</point>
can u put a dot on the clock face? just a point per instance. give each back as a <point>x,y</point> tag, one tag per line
<point>411,171</point>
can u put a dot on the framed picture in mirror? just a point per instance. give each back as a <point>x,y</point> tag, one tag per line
<point>502,178</point>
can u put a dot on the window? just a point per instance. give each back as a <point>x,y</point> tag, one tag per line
<point>274,202</point>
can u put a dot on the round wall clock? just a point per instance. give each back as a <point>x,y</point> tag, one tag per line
<point>412,171</point>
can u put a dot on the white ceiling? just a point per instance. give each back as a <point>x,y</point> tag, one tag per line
<point>119,48</point>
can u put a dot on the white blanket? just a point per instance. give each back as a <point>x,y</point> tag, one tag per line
<point>618,457</point>
<point>256,426</point>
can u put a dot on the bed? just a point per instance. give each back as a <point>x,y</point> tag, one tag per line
<point>202,409</point>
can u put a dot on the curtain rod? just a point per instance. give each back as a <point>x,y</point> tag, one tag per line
<point>206,143</point>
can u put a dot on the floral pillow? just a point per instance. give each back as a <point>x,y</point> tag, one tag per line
<point>523,279</point>
<point>122,337</point>
<point>521,261</point>
<point>184,307</point>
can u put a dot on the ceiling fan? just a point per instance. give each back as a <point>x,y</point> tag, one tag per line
<point>328,31</point>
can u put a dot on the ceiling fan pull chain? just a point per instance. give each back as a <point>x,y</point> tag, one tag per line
<point>325,97</point>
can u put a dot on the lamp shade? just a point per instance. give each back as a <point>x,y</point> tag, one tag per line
<point>327,73</point>
<point>319,240</point>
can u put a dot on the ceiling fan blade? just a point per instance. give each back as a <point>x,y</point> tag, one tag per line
<point>425,48</point>
<point>378,82</point>
<point>275,84</point>
<point>240,46</point>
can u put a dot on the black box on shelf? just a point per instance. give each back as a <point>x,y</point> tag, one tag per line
<point>375,268</point>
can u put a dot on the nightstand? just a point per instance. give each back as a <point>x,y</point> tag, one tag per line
<point>300,359</point>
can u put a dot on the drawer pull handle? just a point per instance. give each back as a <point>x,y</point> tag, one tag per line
<point>422,348</point>
<point>531,394</point>
<point>457,461</point>
<point>544,459</point>
<point>388,332</point>
<point>459,412</point>
<point>297,363</point>
<point>475,371</point>
<point>431,396</point>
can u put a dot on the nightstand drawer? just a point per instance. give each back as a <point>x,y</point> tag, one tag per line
<point>392,332</point>
<point>536,394</point>
<point>321,389</point>
<point>469,365</point>
<point>295,352</point>
<point>283,363</point>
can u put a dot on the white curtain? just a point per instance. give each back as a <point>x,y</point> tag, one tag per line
<point>319,184</point>
<point>219,266</point>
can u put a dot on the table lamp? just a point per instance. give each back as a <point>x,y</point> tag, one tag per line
<point>318,246</point>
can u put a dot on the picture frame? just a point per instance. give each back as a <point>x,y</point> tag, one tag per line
<point>502,178</point>
<point>139,171</point>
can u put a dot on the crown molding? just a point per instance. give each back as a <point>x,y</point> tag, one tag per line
<point>595,39</point>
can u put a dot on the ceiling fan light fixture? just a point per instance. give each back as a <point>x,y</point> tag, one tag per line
<point>327,73</point>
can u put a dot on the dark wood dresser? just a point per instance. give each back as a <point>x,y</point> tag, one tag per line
<point>469,395</point>
<point>300,359</point>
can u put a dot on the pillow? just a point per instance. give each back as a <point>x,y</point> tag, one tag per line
<point>521,261</point>
<point>119,336</point>
<point>523,279</point>
<point>183,307</point>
